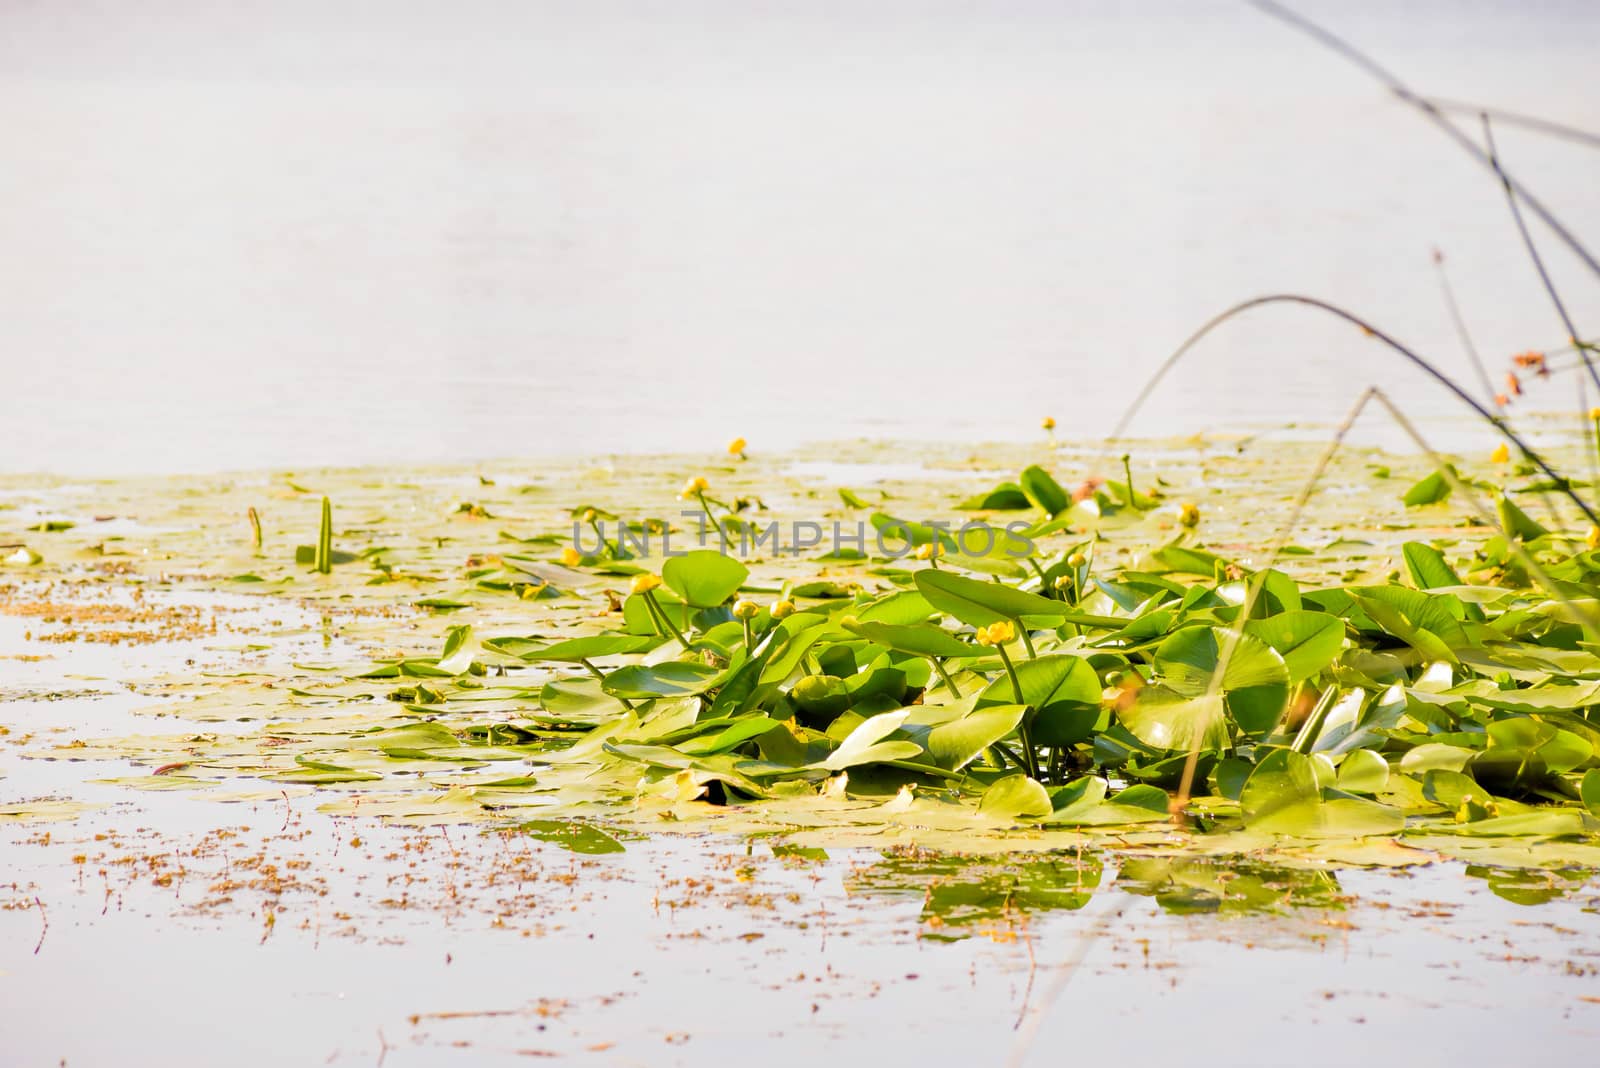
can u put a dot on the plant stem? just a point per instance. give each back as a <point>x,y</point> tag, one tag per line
<point>1030,758</point>
<point>1493,420</point>
<point>949,683</point>
<point>616,554</point>
<point>706,507</point>
<point>600,676</point>
<point>324,557</point>
<point>1127,472</point>
<point>661,614</point>
<point>1027,641</point>
<point>1016,683</point>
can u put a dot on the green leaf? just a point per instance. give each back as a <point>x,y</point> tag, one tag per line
<point>865,744</point>
<point>1515,522</point>
<point>572,650</point>
<point>458,650</point>
<point>1544,823</point>
<point>1307,641</point>
<point>1363,772</point>
<point>579,700</point>
<point>1255,684</point>
<point>1044,491</point>
<point>1423,621</point>
<point>1431,490</point>
<point>956,744</point>
<point>851,500</point>
<point>1428,567</point>
<point>317,773</point>
<point>1164,719</point>
<point>704,578</point>
<point>1589,791</point>
<point>923,639</point>
<point>1063,691</point>
<point>1006,497</point>
<point>1282,796</point>
<point>672,678</point>
<point>981,603</point>
<point>730,737</point>
<point>1015,797</point>
<point>901,608</point>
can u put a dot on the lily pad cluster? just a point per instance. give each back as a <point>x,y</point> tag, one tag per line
<point>1064,693</point>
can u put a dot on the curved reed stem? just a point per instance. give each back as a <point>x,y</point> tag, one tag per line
<point>1355,320</point>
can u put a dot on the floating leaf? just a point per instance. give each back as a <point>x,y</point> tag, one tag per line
<point>1431,490</point>
<point>1015,797</point>
<point>704,578</point>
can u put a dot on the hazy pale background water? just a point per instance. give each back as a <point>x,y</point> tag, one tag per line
<point>308,232</point>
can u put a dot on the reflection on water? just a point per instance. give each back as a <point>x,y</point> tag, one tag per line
<point>1230,886</point>
<point>962,896</point>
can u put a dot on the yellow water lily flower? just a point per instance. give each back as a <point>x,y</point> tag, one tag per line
<point>645,583</point>
<point>1500,455</point>
<point>1594,415</point>
<point>782,609</point>
<point>571,557</point>
<point>1047,423</point>
<point>1592,539</point>
<point>736,448</point>
<point>745,609</point>
<point>694,487</point>
<point>1190,515</point>
<point>589,515</point>
<point>997,633</point>
<point>929,551</point>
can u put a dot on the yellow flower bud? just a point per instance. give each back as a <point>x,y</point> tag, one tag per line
<point>1500,455</point>
<point>929,551</point>
<point>1077,560</point>
<point>1189,516</point>
<point>1063,582</point>
<point>589,515</point>
<point>1592,539</point>
<point>571,557</point>
<point>782,609</point>
<point>694,487</point>
<point>745,609</point>
<point>736,447</point>
<point>1594,415</point>
<point>645,583</point>
<point>1047,423</point>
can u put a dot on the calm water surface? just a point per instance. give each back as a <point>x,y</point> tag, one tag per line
<point>417,231</point>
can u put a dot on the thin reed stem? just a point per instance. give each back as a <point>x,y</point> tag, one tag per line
<point>1433,114</point>
<point>1439,376</point>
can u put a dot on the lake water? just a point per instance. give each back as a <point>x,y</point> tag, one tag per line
<point>410,232</point>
